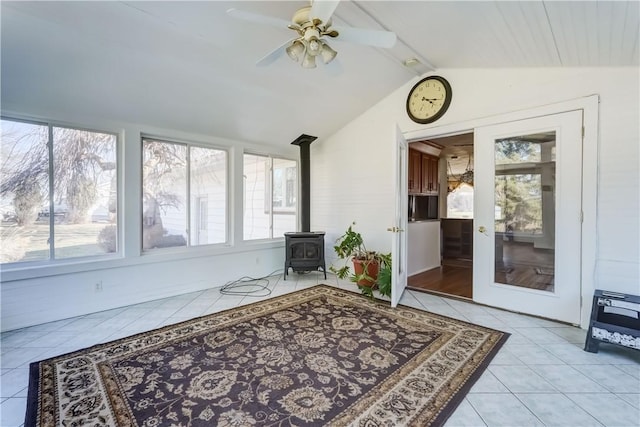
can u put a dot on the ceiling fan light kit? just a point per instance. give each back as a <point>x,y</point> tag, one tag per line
<point>310,43</point>
<point>296,50</point>
<point>327,53</point>
<point>307,50</point>
<point>309,61</point>
<point>312,23</point>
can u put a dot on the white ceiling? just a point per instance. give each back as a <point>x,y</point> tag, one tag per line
<point>189,66</point>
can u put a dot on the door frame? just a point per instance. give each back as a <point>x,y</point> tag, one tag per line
<point>589,107</point>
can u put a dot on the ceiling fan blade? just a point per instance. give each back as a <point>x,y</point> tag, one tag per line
<point>377,38</point>
<point>258,19</point>
<point>272,56</point>
<point>323,9</point>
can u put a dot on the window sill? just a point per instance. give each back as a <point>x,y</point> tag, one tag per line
<point>22,272</point>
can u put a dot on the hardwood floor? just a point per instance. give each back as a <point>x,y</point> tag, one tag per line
<point>522,266</point>
<point>454,277</point>
<point>526,266</point>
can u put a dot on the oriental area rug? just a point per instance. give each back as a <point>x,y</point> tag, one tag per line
<point>316,357</point>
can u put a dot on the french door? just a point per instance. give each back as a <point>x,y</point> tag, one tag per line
<point>527,216</point>
<point>399,239</point>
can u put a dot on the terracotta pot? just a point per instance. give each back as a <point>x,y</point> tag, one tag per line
<point>373,268</point>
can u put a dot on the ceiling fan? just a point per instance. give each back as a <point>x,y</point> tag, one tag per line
<point>312,24</point>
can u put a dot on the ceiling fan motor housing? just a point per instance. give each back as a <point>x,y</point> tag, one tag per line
<point>302,19</point>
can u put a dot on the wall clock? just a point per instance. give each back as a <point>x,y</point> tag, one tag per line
<point>429,99</point>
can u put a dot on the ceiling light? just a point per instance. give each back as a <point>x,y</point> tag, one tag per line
<point>308,46</point>
<point>328,54</point>
<point>296,50</point>
<point>309,61</point>
<point>314,46</point>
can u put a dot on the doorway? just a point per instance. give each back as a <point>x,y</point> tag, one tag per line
<point>583,251</point>
<point>499,247</point>
<point>509,221</point>
<point>452,273</point>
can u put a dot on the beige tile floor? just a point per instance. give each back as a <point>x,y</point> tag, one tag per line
<point>541,377</point>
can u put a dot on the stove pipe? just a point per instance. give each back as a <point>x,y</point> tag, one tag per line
<point>304,141</point>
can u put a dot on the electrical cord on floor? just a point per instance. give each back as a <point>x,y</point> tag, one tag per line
<point>249,286</point>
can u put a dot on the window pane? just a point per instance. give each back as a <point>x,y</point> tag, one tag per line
<point>256,203</point>
<point>84,195</point>
<point>285,196</point>
<point>460,202</point>
<point>24,192</point>
<point>525,211</point>
<point>164,188</point>
<point>208,196</point>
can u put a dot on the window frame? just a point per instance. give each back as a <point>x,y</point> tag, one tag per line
<point>283,210</point>
<point>189,247</point>
<point>269,187</point>
<point>52,261</point>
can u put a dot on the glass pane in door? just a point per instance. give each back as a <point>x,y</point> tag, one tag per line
<point>525,187</point>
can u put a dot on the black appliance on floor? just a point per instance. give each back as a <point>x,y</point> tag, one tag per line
<point>304,249</point>
<point>305,252</point>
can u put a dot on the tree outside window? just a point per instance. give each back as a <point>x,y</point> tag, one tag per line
<point>58,192</point>
<point>518,184</point>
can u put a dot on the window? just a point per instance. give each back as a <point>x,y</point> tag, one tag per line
<point>172,174</point>
<point>518,202</point>
<point>270,196</point>
<point>460,202</point>
<point>525,169</point>
<point>58,192</point>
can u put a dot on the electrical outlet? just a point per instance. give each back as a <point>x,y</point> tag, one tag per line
<point>99,286</point>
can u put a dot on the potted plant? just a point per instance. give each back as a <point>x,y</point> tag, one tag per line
<point>371,270</point>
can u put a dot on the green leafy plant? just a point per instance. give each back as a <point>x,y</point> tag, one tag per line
<point>374,271</point>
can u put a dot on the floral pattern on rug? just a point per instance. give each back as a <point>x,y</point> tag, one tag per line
<point>299,366</point>
<point>321,356</point>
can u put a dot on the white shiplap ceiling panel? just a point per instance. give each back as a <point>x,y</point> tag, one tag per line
<point>188,65</point>
<point>603,33</point>
<point>528,34</point>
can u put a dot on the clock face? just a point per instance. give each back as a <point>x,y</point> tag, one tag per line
<point>429,99</point>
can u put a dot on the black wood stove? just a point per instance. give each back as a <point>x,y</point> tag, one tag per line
<point>305,252</point>
<point>304,249</point>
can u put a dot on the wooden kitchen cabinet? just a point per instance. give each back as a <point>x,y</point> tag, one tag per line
<point>415,168</point>
<point>457,238</point>
<point>429,174</point>
<point>423,173</point>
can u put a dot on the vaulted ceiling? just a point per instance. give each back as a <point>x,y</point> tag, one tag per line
<point>189,66</point>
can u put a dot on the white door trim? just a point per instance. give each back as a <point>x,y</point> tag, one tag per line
<point>589,106</point>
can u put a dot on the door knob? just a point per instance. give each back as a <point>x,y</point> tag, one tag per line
<point>395,229</point>
<point>482,229</point>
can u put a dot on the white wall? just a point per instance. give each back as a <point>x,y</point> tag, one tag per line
<point>52,292</point>
<point>352,170</point>
<point>44,299</point>
<point>352,180</point>
<point>423,241</point>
